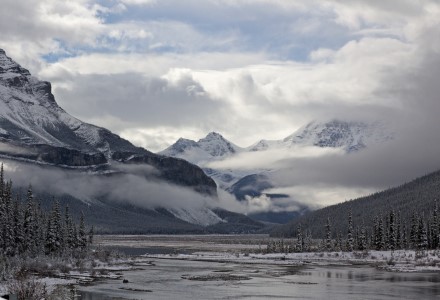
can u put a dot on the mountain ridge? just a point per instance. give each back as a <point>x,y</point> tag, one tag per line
<point>416,196</point>
<point>246,184</point>
<point>35,131</point>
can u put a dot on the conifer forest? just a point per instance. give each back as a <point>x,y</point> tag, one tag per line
<point>28,230</point>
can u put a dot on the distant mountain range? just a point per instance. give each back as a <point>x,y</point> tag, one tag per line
<point>35,131</point>
<point>347,136</point>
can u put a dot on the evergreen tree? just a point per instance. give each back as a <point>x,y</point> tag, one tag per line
<point>92,233</point>
<point>398,231</point>
<point>50,245</point>
<point>338,243</point>
<point>392,231</point>
<point>435,227</point>
<point>422,236</point>
<point>379,241</point>
<point>29,223</point>
<point>328,235</point>
<point>350,242</point>
<point>68,231</point>
<point>414,239</point>
<point>405,242</point>
<point>8,233</point>
<point>362,242</point>
<point>40,229</point>
<point>82,236</point>
<point>57,225</point>
<point>18,228</point>
<point>2,182</point>
<point>299,239</point>
<point>308,241</point>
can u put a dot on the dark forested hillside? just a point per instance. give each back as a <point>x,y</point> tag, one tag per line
<point>416,196</point>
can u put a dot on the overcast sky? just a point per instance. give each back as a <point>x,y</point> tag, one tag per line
<point>153,71</point>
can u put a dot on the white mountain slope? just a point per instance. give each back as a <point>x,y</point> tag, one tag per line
<point>203,217</point>
<point>349,136</point>
<point>29,115</point>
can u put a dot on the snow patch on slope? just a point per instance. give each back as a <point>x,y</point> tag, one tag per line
<point>200,216</point>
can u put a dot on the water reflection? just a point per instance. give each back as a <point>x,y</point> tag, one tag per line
<point>165,280</point>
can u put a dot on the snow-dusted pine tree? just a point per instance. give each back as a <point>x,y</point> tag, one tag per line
<point>328,236</point>
<point>350,242</point>
<point>392,231</point>
<point>82,236</point>
<point>299,239</point>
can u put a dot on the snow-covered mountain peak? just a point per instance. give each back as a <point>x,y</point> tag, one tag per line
<point>19,80</point>
<point>216,145</point>
<point>212,147</point>
<point>29,115</point>
<point>349,135</point>
<point>213,137</point>
<point>180,146</point>
<point>263,145</point>
<point>10,67</point>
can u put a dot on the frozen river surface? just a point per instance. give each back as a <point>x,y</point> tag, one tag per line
<point>183,279</point>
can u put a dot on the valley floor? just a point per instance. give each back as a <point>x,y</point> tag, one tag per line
<point>250,249</point>
<point>148,254</point>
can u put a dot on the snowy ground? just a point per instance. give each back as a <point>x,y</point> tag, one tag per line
<point>248,248</point>
<point>400,260</point>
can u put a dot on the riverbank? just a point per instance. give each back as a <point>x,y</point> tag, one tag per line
<point>397,261</point>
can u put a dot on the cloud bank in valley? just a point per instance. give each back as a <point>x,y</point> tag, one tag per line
<point>129,186</point>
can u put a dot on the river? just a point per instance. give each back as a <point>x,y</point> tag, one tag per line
<point>184,279</point>
<point>167,278</point>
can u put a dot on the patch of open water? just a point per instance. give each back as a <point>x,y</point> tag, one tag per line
<point>182,279</point>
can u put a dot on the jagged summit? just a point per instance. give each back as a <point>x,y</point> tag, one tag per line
<point>7,64</point>
<point>213,137</point>
<point>29,115</point>
<point>212,146</point>
<point>216,145</point>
